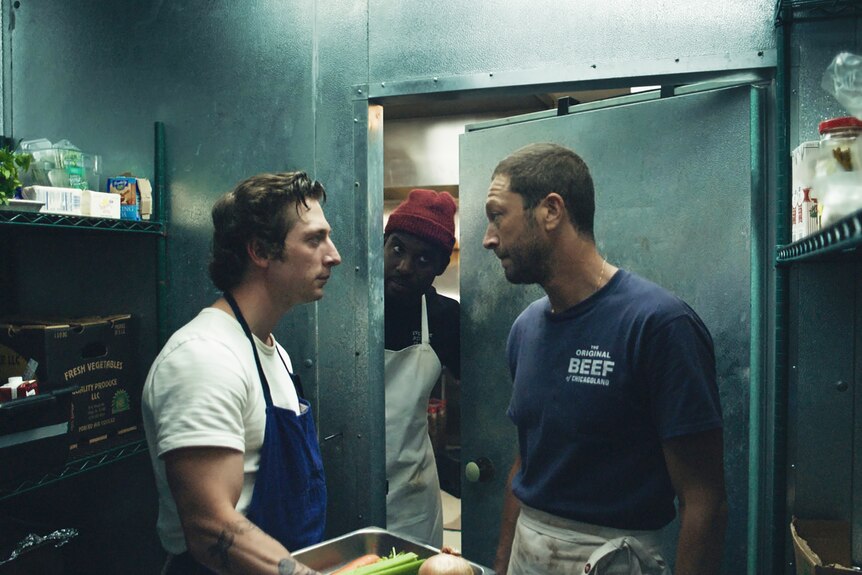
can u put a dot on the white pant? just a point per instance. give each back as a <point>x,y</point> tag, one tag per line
<point>545,544</point>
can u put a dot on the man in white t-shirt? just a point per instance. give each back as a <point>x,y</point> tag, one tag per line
<point>230,501</point>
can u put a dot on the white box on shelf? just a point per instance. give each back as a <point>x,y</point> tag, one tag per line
<point>57,200</point>
<point>145,188</point>
<point>100,204</point>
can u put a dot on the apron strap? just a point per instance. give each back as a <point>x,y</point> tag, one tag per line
<point>294,377</point>
<point>263,381</point>
<point>426,337</point>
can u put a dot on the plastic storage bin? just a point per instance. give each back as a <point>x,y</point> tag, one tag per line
<point>34,434</point>
<point>62,165</point>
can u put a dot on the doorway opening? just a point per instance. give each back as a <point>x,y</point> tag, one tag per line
<point>421,150</point>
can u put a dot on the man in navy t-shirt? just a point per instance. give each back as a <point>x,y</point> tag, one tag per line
<point>614,396</point>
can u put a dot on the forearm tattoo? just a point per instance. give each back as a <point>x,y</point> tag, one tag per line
<point>290,566</point>
<point>220,550</point>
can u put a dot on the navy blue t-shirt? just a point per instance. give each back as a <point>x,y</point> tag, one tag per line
<point>597,388</point>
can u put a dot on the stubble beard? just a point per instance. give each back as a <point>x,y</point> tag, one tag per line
<point>529,264</point>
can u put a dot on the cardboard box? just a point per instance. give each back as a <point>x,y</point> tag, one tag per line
<point>821,547</point>
<point>805,208</point>
<point>74,202</point>
<point>96,354</point>
<point>17,388</point>
<point>127,188</point>
<point>57,200</point>
<point>100,204</point>
<point>145,189</point>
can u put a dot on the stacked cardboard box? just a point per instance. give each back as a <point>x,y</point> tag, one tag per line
<point>96,354</point>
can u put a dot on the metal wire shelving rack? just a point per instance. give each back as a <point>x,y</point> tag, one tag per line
<point>93,458</point>
<point>837,241</point>
<point>117,448</point>
<point>56,221</point>
<point>787,11</point>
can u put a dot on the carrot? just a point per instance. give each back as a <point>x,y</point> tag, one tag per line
<point>369,559</point>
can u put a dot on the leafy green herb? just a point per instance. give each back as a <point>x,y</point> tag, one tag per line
<point>12,165</point>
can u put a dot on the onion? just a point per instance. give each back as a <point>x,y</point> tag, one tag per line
<point>445,564</point>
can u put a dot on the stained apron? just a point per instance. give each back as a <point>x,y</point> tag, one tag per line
<point>545,544</point>
<point>413,504</point>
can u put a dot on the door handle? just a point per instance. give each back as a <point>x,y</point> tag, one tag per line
<point>479,471</point>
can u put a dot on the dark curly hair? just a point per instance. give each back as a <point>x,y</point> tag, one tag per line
<point>254,211</point>
<point>536,170</point>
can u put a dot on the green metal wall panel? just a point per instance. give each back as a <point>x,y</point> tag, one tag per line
<point>244,88</point>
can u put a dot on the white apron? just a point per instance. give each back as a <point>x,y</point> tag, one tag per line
<point>545,544</point>
<point>413,505</point>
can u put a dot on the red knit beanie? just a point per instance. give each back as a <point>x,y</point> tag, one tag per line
<point>428,215</point>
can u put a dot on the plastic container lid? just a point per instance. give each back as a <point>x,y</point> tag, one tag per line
<point>845,122</point>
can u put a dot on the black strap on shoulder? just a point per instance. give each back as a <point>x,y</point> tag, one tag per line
<point>297,383</point>
<point>294,377</point>
<point>241,319</point>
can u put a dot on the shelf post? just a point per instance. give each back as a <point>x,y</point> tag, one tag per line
<point>162,213</point>
<point>778,527</point>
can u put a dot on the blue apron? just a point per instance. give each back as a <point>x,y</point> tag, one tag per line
<point>289,497</point>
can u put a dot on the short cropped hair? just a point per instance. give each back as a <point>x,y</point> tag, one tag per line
<point>536,170</point>
<point>254,211</point>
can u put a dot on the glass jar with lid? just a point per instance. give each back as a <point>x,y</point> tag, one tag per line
<point>838,173</point>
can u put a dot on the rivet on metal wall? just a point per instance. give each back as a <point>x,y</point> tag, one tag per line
<point>841,385</point>
<point>357,268</point>
<point>355,184</point>
<point>382,84</point>
<point>308,363</point>
<point>676,59</point>
<point>435,78</point>
<point>359,91</point>
<point>355,120</point>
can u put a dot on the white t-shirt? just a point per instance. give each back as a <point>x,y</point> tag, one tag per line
<point>203,390</point>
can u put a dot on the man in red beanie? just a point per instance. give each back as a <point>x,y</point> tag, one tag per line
<point>422,336</point>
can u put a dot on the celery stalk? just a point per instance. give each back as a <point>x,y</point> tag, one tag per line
<point>382,567</point>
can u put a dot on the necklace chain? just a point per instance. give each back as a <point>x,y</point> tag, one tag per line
<point>601,275</point>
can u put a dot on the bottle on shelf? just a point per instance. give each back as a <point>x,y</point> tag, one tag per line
<point>838,173</point>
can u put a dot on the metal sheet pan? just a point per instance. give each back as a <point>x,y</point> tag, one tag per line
<point>328,556</point>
